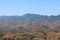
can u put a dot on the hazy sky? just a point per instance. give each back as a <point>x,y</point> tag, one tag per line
<point>20,7</point>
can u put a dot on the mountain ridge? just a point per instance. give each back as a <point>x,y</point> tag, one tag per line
<point>29,22</point>
<point>34,17</point>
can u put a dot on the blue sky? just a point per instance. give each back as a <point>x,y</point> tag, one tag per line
<point>21,7</point>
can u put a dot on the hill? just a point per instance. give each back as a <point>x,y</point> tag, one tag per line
<point>29,22</point>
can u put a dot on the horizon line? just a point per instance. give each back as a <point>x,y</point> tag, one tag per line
<point>29,13</point>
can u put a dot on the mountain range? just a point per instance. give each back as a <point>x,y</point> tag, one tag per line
<point>29,22</point>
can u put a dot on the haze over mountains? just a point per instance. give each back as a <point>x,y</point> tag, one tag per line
<point>30,17</point>
<point>29,22</point>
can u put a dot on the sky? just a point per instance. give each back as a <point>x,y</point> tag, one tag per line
<point>21,7</point>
